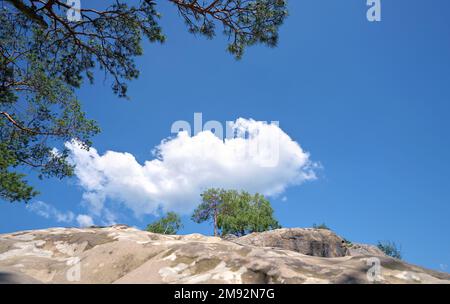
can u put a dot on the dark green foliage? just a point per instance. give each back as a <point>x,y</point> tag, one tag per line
<point>321,226</point>
<point>244,22</point>
<point>390,249</point>
<point>234,212</point>
<point>169,224</point>
<point>44,58</point>
<point>12,186</point>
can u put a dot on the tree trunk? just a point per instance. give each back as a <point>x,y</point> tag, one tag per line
<point>215,223</point>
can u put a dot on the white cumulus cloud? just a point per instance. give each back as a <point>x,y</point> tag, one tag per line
<point>85,220</point>
<point>265,160</point>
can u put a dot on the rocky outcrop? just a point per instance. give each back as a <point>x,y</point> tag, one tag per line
<point>309,241</point>
<point>120,254</point>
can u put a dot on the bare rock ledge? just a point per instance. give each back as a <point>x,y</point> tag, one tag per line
<point>121,254</point>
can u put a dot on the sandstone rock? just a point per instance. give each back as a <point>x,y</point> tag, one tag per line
<point>121,254</point>
<point>309,241</point>
<point>364,249</point>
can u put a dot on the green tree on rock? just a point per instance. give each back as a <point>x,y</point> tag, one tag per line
<point>246,214</point>
<point>210,207</point>
<point>390,249</point>
<point>169,224</point>
<point>234,212</point>
<point>321,226</point>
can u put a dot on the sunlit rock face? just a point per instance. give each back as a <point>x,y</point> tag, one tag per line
<point>121,254</point>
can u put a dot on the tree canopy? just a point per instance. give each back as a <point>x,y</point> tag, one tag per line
<point>44,58</point>
<point>234,212</point>
<point>245,213</point>
<point>210,207</point>
<point>169,224</point>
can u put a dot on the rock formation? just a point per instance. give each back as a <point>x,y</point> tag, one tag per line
<point>315,242</point>
<point>120,254</point>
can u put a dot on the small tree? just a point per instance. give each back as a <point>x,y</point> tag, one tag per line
<point>390,249</point>
<point>244,213</point>
<point>208,210</point>
<point>321,226</point>
<point>170,224</point>
<point>235,212</point>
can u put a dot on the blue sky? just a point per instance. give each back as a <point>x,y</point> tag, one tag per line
<point>369,101</point>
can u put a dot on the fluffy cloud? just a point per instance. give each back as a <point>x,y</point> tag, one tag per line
<point>264,160</point>
<point>85,220</point>
<point>48,211</point>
